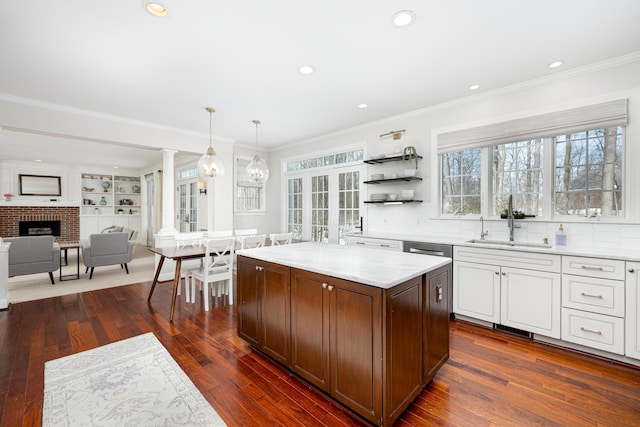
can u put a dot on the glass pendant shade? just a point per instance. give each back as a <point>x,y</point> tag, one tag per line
<point>210,164</point>
<point>257,170</point>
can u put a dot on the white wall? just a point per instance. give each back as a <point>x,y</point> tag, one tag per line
<point>599,83</point>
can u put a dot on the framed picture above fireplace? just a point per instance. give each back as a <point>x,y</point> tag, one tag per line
<point>39,185</point>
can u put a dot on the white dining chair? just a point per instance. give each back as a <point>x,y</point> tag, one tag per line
<point>219,234</point>
<point>188,239</point>
<point>246,232</point>
<point>216,271</point>
<point>280,238</point>
<point>249,242</point>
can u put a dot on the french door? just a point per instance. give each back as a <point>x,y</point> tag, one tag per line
<point>187,206</point>
<point>322,206</point>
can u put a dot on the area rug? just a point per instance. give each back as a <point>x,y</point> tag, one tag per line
<point>133,382</point>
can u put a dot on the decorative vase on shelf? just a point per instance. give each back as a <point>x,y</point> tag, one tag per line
<point>103,201</point>
<point>8,199</point>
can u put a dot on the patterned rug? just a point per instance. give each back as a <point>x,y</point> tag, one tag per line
<point>133,382</point>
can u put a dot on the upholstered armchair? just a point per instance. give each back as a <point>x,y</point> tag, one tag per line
<point>33,254</point>
<point>107,249</point>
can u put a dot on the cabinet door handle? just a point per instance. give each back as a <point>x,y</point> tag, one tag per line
<point>584,294</point>
<point>385,245</point>
<point>257,268</point>
<point>330,287</point>
<point>497,273</point>
<point>359,243</point>
<point>504,274</point>
<point>632,270</point>
<point>592,267</point>
<point>583,329</point>
<point>324,286</point>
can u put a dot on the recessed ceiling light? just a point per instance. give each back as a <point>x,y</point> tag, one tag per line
<point>156,9</point>
<point>363,106</point>
<point>403,18</point>
<point>38,160</point>
<point>116,167</point>
<point>474,87</point>
<point>306,69</point>
<point>555,64</point>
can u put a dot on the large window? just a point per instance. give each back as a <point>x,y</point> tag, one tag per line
<point>517,171</point>
<point>461,180</point>
<point>588,178</point>
<point>568,163</point>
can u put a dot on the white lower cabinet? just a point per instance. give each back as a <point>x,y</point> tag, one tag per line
<point>492,285</point>
<point>632,342</point>
<point>530,300</point>
<point>593,303</point>
<point>476,290</point>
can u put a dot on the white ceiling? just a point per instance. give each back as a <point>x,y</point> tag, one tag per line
<point>242,58</point>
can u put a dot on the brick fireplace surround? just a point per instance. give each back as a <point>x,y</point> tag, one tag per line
<point>69,217</point>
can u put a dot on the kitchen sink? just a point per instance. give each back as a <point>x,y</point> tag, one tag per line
<point>508,243</point>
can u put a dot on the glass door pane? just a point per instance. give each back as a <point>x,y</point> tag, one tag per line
<point>320,208</point>
<point>348,203</point>
<point>187,206</point>
<point>294,207</point>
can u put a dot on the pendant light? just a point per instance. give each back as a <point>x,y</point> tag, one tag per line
<point>210,164</point>
<point>257,170</point>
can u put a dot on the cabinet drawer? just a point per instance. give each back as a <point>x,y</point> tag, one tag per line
<point>592,294</point>
<point>593,267</point>
<point>593,330</point>
<point>509,258</point>
<point>392,245</point>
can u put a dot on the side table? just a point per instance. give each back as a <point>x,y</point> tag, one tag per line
<point>64,247</point>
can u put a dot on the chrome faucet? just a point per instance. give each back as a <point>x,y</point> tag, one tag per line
<point>510,220</point>
<point>483,233</point>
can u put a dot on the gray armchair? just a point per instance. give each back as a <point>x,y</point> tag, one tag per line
<point>33,254</point>
<point>107,249</point>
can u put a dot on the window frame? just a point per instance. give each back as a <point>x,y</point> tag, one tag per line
<point>238,174</point>
<point>488,210</point>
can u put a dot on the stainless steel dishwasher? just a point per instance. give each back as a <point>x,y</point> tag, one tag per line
<point>433,249</point>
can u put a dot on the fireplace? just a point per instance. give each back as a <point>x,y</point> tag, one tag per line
<point>39,228</point>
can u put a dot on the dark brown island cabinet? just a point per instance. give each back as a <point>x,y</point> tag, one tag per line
<point>371,349</point>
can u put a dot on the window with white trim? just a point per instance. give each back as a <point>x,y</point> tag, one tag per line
<point>582,175</point>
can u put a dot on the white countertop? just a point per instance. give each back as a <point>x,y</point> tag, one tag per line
<point>624,254</point>
<point>374,267</point>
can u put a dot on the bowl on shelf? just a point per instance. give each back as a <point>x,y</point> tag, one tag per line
<point>376,156</point>
<point>407,194</point>
<point>410,172</point>
<point>392,197</point>
<point>377,176</point>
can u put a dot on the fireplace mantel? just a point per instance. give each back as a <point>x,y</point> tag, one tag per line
<point>39,203</point>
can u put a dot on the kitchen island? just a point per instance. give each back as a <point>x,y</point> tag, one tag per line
<point>368,327</point>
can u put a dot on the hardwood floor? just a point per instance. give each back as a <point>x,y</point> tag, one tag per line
<point>491,379</point>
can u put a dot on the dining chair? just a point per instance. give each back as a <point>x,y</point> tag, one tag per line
<point>248,242</point>
<point>246,232</point>
<point>280,238</point>
<point>220,234</point>
<point>217,270</point>
<point>188,239</point>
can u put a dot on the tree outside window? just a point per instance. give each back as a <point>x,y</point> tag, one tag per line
<point>461,179</point>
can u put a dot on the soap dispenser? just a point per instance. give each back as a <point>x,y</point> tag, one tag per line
<point>561,236</point>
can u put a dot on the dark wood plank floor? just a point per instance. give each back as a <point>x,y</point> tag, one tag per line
<point>491,379</point>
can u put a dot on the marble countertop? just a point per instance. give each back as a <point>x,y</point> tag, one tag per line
<point>624,254</point>
<point>374,267</point>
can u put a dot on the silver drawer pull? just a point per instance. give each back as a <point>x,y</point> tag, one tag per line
<point>584,294</point>
<point>591,267</point>
<point>385,245</point>
<point>583,329</point>
<point>359,243</point>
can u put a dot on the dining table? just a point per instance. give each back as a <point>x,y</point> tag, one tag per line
<point>178,255</point>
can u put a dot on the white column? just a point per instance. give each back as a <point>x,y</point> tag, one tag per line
<point>4,275</point>
<point>168,191</point>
